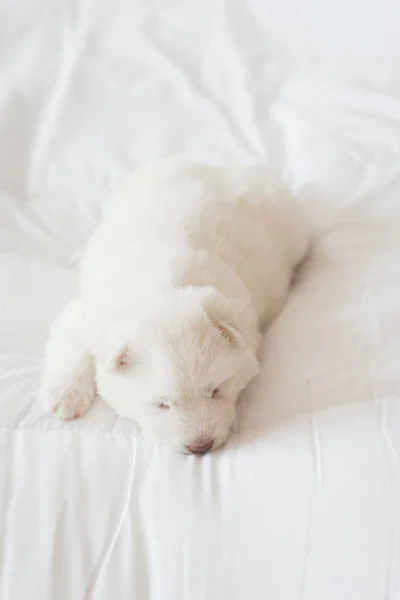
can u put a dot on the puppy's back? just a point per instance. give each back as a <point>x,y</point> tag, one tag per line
<point>183,223</point>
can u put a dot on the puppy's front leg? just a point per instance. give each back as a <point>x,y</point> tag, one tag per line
<point>68,386</point>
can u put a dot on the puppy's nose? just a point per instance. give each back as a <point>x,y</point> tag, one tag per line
<point>201,446</point>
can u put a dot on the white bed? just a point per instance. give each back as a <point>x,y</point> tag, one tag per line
<point>304,502</point>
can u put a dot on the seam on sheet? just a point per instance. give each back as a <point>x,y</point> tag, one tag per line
<point>394,463</point>
<point>95,577</point>
<point>100,432</point>
<point>4,515</point>
<point>317,454</point>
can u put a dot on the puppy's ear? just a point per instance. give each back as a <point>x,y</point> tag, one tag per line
<point>121,360</point>
<point>222,316</point>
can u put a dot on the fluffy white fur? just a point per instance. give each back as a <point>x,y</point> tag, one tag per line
<point>189,265</point>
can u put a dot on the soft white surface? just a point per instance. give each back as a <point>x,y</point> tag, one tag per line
<point>304,503</point>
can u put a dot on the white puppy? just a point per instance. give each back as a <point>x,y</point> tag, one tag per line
<point>188,266</point>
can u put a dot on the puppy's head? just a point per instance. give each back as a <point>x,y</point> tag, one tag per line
<point>179,369</point>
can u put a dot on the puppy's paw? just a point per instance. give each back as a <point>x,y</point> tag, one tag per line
<point>69,401</point>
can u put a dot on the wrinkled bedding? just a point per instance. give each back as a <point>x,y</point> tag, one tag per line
<point>304,502</point>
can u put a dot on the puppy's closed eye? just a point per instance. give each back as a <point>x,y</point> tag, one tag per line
<point>212,392</point>
<point>162,405</point>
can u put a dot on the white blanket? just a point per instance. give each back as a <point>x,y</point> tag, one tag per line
<point>304,502</point>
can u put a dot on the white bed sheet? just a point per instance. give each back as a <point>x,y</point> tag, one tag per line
<point>304,502</point>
